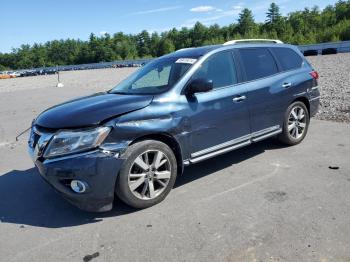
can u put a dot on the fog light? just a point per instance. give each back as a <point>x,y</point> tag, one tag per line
<point>78,186</point>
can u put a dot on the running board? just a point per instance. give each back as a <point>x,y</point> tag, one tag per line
<point>251,139</point>
<point>219,152</point>
<point>259,138</point>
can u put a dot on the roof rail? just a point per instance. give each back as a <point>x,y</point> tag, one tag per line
<point>233,42</point>
<point>185,49</point>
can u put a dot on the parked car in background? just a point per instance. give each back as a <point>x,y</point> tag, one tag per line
<point>4,76</point>
<point>179,109</point>
<point>9,74</point>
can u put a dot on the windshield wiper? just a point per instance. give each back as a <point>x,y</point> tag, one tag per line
<point>118,93</point>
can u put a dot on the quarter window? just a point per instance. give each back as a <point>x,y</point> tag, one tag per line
<point>219,68</point>
<point>258,63</point>
<point>288,58</point>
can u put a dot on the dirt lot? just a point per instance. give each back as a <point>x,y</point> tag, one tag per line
<point>261,203</point>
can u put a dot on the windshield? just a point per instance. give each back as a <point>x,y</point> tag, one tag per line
<point>156,77</point>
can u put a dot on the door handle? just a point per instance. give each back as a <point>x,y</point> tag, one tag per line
<point>287,85</point>
<point>238,99</point>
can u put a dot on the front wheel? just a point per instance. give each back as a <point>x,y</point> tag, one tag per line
<point>296,123</point>
<point>147,175</point>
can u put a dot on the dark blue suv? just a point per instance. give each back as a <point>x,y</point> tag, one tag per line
<point>179,109</point>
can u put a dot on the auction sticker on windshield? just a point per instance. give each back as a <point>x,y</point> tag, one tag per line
<point>186,60</point>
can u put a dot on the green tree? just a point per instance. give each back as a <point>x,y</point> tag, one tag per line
<point>3,68</point>
<point>328,16</point>
<point>184,39</point>
<point>198,34</point>
<point>342,10</point>
<point>165,46</point>
<point>245,22</point>
<point>143,44</point>
<point>273,14</point>
<point>154,44</point>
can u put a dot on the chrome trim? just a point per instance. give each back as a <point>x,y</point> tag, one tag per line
<point>38,150</point>
<point>219,146</point>
<point>251,41</point>
<point>238,99</point>
<point>264,131</point>
<point>309,90</point>
<point>257,139</point>
<point>300,94</point>
<point>286,85</point>
<point>204,157</point>
<point>235,143</point>
<point>312,99</point>
<point>186,162</point>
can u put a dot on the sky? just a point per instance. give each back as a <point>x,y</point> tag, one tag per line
<point>38,21</point>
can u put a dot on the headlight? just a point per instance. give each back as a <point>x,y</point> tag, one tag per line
<point>68,142</point>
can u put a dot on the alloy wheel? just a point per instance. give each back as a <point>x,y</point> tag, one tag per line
<point>297,122</point>
<point>149,174</point>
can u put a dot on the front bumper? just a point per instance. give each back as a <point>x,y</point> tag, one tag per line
<point>97,169</point>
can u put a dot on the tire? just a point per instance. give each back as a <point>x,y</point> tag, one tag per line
<point>147,174</point>
<point>295,130</point>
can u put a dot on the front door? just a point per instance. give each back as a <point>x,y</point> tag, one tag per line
<point>219,118</point>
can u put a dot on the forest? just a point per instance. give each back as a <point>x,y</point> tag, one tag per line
<point>300,27</point>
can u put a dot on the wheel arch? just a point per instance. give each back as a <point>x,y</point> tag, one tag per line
<point>170,141</point>
<point>305,101</point>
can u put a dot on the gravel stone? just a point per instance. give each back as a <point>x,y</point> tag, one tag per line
<point>334,85</point>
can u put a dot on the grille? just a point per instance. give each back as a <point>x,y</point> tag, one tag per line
<point>36,137</point>
<point>38,141</point>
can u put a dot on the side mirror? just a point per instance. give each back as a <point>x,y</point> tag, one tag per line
<point>199,85</point>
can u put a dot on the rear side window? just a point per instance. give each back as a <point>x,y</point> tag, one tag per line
<point>219,68</point>
<point>258,63</point>
<point>288,58</point>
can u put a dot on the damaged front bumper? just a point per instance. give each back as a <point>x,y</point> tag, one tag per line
<point>97,169</point>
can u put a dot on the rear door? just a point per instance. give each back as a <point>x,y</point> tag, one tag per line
<point>267,90</point>
<point>295,71</point>
<point>219,118</point>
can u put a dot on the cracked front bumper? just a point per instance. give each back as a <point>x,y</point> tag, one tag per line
<point>97,169</point>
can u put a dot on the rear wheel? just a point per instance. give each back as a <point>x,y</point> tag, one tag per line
<point>147,175</point>
<point>296,123</point>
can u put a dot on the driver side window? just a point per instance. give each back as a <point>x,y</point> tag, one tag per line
<point>219,68</point>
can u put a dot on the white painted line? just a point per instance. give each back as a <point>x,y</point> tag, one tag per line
<point>4,144</point>
<point>273,173</point>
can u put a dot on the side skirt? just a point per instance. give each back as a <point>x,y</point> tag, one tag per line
<point>233,144</point>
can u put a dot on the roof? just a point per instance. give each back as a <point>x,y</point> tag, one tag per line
<point>196,52</point>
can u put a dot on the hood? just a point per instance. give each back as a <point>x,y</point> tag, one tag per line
<point>91,110</point>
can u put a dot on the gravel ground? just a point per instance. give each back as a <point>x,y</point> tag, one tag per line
<point>334,85</point>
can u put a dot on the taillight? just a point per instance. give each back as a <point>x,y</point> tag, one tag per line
<point>314,74</point>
